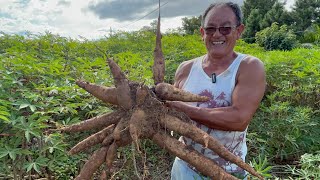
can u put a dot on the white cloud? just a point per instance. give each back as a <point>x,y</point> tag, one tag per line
<point>5,2</point>
<point>33,16</point>
<point>69,18</point>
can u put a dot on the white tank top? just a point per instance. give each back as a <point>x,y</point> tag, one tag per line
<point>198,82</point>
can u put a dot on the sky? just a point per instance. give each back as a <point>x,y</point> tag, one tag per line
<point>93,19</point>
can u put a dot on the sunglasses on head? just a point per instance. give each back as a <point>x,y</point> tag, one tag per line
<point>222,30</point>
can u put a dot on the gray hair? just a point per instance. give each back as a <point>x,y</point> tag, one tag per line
<point>235,8</point>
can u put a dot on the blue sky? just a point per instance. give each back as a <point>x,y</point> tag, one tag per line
<point>94,18</point>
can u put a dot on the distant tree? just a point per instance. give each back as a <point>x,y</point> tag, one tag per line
<point>253,14</point>
<point>252,26</point>
<point>312,34</point>
<point>191,25</point>
<point>262,5</point>
<point>152,27</point>
<point>306,13</point>
<point>278,14</point>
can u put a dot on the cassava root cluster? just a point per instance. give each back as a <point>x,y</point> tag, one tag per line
<point>142,114</point>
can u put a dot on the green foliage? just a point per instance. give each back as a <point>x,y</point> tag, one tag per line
<point>305,13</point>
<point>254,12</point>
<point>278,14</point>
<point>179,48</point>
<point>286,124</point>
<point>4,113</point>
<point>252,25</point>
<point>262,5</point>
<point>312,34</point>
<point>287,130</point>
<point>309,167</point>
<point>276,37</point>
<point>38,91</point>
<point>191,25</point>
<point>261,165</point>
<point>65,168</point>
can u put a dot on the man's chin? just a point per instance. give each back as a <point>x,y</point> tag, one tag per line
<point>217,52</point>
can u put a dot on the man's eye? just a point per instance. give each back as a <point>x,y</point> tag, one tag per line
<point>225,28</point>
<point>211,29</point>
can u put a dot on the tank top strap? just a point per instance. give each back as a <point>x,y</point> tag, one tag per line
<point>236,63</point>
<point>197,65</point>
<point>233,67</point>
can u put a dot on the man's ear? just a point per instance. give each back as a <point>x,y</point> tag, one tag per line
<point>202,33</point>
<point>240,30</point>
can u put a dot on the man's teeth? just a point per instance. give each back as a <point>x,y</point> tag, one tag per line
<point>217,42</point>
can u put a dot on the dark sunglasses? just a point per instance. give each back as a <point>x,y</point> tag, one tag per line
<point>222,30</point>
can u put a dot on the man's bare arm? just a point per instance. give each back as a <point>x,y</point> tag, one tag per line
<point>246,97</point>
<point>182,73</point>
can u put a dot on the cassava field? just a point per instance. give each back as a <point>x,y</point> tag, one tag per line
<point>38,91</point>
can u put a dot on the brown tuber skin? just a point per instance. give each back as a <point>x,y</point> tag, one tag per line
<point>171,93</point>
<point>95,161</point>
<point>142,114</point>
<point>202,164</point>
<point>92,140</point>
<point>111,154</point>
<point>122,85</point>
<point>105,94</point>
<point>94,123</point>
<point>158,65</point>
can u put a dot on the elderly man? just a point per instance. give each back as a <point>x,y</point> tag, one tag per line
<point>235,83</point>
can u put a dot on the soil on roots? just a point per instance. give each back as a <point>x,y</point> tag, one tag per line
<point>153,163</point>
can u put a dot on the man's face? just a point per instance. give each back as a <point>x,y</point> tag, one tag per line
<point>220,42</point>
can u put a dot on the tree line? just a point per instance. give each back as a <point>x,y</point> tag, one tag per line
<point>300,23</point>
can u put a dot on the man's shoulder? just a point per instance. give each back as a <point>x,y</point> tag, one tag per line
<point>252,60</point>
<point>251,67</point>
<point>188,64</point>
<point>184,70</point>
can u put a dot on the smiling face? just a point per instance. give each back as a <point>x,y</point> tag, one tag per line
<point>220,43</point>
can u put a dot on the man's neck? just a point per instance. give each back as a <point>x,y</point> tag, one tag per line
<point>217,64</point>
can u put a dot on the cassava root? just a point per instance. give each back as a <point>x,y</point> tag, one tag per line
<point>141,114</point>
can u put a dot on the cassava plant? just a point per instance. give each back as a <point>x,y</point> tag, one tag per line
<point>142,114</point>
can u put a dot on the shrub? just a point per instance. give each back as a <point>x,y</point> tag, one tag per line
<point>275,37</point>
<point>312,34</point>
<point>309,167</point>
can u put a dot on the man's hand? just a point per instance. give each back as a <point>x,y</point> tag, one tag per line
<point>177,105</point>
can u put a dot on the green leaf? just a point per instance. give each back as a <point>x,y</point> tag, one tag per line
<point>13,155</point>
<point>42,161</point>
<point>23,106</point>
<point>5,113</point>
<point>51,150</point>
<point>4,118</point>
<point>27,135</point>
<point>36,167</point>
<point>25,152</point>
<point>32,108</point>
<point>267,169</point>
<point>29,167</point>
<point>3,153</point>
